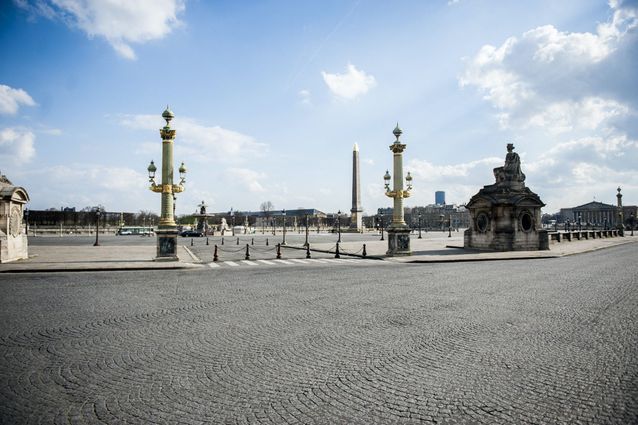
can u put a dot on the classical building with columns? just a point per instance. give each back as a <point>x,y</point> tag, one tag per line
<point>597,214</point>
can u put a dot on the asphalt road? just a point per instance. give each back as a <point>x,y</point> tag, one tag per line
<point>529,341</point>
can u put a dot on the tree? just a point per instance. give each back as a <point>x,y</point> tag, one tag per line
<point>146,217</point>
<point>266,208</point>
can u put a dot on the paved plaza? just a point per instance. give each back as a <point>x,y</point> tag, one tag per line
<point>525,341</point>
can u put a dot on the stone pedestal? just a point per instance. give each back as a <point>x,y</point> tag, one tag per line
<point>399,241</point>
<point>166,245</point>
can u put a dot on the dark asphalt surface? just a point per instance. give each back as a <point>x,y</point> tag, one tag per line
<point>531,341</point>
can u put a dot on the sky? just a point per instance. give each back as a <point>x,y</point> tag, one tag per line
<point>270,96</point>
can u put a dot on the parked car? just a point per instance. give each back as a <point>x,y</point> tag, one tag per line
<point>192,233</point>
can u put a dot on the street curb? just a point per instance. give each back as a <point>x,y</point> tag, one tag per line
<point>467,260</point>
<point>193,256</point>
<point>470,260</point>
<point>94,269</point>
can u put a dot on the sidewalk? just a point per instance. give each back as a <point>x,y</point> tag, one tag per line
<point>95,258</point>
<point>430,249</point>
<point>443,249</point>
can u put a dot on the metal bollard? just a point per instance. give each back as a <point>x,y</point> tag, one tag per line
<point>279,251</point>
<point>266,241</point>
<point>237,241</point>
<point>252,241</point>
<point>308,251</point>
<point>247,252</point>
<point>206,240</point>
<point>337,252</point>
<point>222,240</point>
<point>215,258</point>
<point>365,254</point>
<point>191,241</point>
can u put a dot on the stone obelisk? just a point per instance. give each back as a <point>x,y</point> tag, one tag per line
<point>355,218</point>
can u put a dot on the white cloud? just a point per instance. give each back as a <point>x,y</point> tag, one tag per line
<point>350,85</point>
<point>119,22</point>
<point>556,79</point>
<point>84,184</point>
<point>248,179</point>
<point>304,95</point>
<point>564,116</point>
<point>198,142</point>
<point>51,131</point>
<point>572,98</point>
<point>16,145</point>
<point>10,100</point>
<point>464,172</point>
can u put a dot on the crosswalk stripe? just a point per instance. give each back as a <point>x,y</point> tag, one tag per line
<point>283,261</point>
<point>297,261</point>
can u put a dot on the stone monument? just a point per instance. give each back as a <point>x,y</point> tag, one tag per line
<point>13,237</point>
<point>506,215</point>
<point>356,223</point>
<point>202,218</point>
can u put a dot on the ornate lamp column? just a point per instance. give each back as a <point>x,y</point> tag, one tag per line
<point>167,229</point>
<point>621,224</point>
<point>398,231</point>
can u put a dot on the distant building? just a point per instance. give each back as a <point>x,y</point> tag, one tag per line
<point>275,216</point>
<point>598,214</point>
<point>432,216</point>
<point>439,197</point>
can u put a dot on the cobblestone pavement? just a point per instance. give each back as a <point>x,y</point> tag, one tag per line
<point>549,341</point>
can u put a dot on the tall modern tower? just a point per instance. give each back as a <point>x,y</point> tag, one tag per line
<point>439,197</point>
<point>355,220</point>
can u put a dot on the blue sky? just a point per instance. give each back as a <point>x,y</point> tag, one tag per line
<point>270,96</point>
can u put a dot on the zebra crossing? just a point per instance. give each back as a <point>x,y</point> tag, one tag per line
<point>326,262</point>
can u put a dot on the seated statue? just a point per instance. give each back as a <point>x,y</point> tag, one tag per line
<point>511,171</point>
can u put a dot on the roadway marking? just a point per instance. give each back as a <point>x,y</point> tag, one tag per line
<point>299,261</point>
<point>283,261</point>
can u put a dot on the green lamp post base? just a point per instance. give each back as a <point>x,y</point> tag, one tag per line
<point>398,241</point>
<point>167,245</point>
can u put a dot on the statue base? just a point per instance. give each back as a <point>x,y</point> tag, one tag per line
<point>398,241</point>
<point>166,245</point>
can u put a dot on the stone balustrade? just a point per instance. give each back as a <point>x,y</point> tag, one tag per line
<point>560,236</point>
